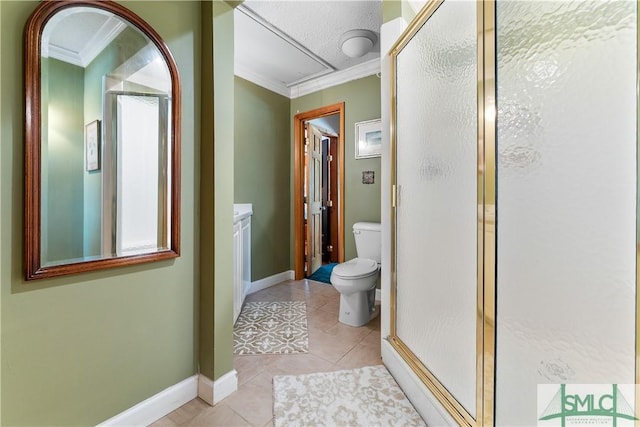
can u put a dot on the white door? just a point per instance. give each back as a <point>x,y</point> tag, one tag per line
<point>314,202</point>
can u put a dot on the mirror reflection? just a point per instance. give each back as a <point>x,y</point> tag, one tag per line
<point>105,139</point>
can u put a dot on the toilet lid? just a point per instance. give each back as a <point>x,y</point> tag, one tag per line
<point>357,267</point>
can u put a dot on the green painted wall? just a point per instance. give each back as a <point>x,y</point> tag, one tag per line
<point>216,191</point>
<point>262,173</point>
<point>65,149</point>
<point>80,349</point>
<point>3,216</point>
<point>362,102</point>
<point>391,9</point>
<point>223,186</point>
<point>407,12</point>
<point>206,237</point>
<point>93,80</point>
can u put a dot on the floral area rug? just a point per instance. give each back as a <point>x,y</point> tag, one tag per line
<point>271,328</point>
<point>366,396</point>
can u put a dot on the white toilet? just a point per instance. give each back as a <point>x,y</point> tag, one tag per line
<point>356,279</point>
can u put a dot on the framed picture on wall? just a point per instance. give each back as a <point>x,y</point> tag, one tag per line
<point>92,146</point>
<point>368,139</point>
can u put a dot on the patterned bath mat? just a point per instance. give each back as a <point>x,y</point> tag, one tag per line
<point>271,328</point>
<point>366,396</point>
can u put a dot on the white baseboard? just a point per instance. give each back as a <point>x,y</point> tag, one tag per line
<point>205,389</point>
<point>267,282</point>
<point>433,413</point>
<point>213,392</point>
<point>168,400</point>
<point>225,385</point>
<point>157,406</point>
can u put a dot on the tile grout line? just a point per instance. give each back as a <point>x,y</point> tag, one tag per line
<point>321,300</point>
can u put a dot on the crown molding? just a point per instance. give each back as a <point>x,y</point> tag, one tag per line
<point>64,55</point>
<point>253,77</point>
<point>100,40</point>
<point>359,71</point>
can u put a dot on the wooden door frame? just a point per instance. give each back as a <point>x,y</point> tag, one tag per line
<point>298,183</point>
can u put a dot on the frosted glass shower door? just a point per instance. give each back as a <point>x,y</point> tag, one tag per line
<point>139,174</point>
<point>436,217</point>
<point>566,140</point>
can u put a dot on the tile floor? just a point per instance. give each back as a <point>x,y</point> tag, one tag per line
<point>332,346</point>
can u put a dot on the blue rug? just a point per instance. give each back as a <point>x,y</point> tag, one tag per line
<point>323,274</point>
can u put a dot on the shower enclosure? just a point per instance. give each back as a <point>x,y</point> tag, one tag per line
<point>514,207</point>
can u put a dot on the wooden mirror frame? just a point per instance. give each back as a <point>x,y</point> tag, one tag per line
<point>32,184</point>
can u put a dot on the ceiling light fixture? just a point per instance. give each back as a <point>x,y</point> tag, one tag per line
<point>357,43</point>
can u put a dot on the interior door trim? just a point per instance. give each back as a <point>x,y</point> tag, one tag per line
<point>298,183</point>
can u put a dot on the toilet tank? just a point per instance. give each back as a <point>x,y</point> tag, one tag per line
<point>368,241</point>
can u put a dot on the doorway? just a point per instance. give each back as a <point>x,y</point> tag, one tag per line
<point>318,189</point>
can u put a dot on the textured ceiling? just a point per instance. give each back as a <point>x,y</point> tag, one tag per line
<point>281,44</point>
<point>318,25</point>
<point>84,26</point>
<point>77,35</point>
<point>263,51</point>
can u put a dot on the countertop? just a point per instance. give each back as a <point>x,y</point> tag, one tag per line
<point>242,211</point>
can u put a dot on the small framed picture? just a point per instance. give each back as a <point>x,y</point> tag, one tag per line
<point>92,146</point>
<point>368,139</point>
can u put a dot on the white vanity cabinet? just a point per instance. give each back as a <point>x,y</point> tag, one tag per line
<point>241,255</point>
<point>245,233</point>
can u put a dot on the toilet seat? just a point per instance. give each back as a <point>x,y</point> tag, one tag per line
<point>356,268</point>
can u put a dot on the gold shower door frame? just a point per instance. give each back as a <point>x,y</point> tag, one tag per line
<point>486,243</point>
<point>486,240</point>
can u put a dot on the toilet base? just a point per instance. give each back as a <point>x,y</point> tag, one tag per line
<point>358,308</point>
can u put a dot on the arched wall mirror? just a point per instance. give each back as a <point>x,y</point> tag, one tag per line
<point>102,140</point>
